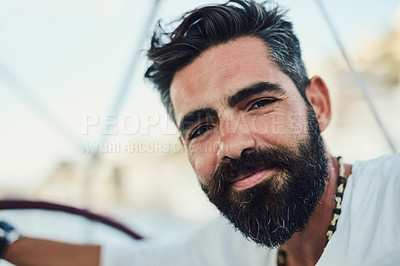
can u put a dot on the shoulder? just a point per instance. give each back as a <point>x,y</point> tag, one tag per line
<point>372,192</point>
<point>385,162</point>
<point>378,171</point>
<point>374,184</point>
<point>368,225</point>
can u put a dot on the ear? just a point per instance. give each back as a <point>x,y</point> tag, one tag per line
<point>318,96</point>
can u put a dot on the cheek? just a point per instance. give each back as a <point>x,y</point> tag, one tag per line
<point>203,159</point>
<point>279,127</point>
<point>297,126</point>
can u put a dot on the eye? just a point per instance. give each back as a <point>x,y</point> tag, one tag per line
<point>261,103</point>
<point>200,130</point>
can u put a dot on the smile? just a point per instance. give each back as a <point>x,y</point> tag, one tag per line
<point>251,180</point>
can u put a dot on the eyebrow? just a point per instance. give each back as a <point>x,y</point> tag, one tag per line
<point>254,89</point>
<point>193,117</point>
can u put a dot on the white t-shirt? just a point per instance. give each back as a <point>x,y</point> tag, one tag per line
<point>216,244</point>
<point>368,231</point>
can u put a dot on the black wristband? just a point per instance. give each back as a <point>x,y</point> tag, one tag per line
<point>3,246</point>
<point>8,235</point>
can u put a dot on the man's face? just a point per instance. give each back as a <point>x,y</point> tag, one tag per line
<point>251,139</point>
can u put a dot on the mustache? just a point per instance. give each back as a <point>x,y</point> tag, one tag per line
<point>249,162</point>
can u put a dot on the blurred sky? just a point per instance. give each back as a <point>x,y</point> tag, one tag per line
<point>62,62</point>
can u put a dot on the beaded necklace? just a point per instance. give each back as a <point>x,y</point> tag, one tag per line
<point>281,259</point>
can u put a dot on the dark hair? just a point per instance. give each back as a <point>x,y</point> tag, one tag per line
<point>212,25</point>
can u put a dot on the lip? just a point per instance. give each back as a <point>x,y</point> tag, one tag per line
<point>251,180</point>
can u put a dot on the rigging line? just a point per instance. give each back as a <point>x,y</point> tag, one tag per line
<point>356,75</point>
<point>15,84</point>
<point>130,71</point>
<point>117,104</point>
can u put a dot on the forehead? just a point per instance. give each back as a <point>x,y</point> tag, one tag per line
<point>221,71</point>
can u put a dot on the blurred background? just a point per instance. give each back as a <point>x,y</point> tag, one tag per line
<point>80,126</point>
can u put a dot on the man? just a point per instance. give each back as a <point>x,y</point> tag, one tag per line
<point>232,78</point>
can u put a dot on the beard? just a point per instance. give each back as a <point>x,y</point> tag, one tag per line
<point>270,212</point>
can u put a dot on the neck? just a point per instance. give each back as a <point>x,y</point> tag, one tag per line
<point>305,248</point>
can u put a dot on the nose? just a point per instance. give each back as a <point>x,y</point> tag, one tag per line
<point>235,138</point>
